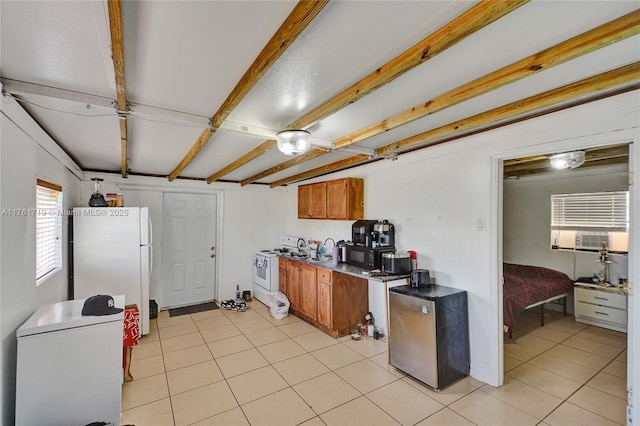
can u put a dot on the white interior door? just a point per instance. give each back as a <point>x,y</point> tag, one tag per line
<point>188,252</point>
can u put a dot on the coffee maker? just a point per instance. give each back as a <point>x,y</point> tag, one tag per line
<point>370,239</point>
<point>383,234</point>
<point>361,232</point>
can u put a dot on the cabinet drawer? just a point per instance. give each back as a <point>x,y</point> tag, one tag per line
<point>602,298</point>
<point>602,313</point>
<point>324,275</point>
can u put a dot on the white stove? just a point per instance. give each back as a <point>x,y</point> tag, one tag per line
<point>267,253</point>
<point>266,267</point>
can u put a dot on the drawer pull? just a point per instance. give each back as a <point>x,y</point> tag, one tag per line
<point>601,313</point>
<point>601,298</point>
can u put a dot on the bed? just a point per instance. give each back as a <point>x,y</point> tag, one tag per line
<point>527,286</point>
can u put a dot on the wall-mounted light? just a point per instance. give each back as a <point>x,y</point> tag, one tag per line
<point>293,142</point>
<point>567,160</point>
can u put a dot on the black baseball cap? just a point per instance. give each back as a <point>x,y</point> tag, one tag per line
<point>100,304</point>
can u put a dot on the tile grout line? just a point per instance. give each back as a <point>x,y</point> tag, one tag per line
<point>223,379</point>
<point>566,400</point>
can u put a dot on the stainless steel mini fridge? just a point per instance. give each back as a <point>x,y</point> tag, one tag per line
<point>429,333</point>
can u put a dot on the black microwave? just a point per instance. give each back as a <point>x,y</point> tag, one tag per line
<point>365,257</point>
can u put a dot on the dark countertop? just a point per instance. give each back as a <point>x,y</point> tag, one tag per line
<point>345,269</point>
<point>431,292</point>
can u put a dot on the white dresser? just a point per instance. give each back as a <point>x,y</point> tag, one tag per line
<point>603,307</point>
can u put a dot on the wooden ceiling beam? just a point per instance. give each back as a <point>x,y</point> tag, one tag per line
<point>475,18</point>
<point>542,161</point>
<point>297,21</point>
<point>314,153</point>
<point>203,139</point>
<point>301,16</point>
<point>617,153</point>
<point>620,76</point>
<point>597,38</point>
<point>548,169</point>
<point>117,54</point>
<point>338,165</point>
<point>519,116</point>
<point>259,150</point>
<point>607,152</point>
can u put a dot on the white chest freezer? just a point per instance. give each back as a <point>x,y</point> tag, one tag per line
<point>69,367</point>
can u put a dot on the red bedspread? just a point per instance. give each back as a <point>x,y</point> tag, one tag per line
<point>525,285</point>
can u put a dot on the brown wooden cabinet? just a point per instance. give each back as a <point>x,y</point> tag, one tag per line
<point>304,201</point>
<point>345,199</point>
<point>340,199</point>
<point>308,292</point>
<point>324,315</point>
<point>349,303</point>
<point>293,284</point>
<point>282,275</point>
<point>319,200</point>
<point>332,301</point>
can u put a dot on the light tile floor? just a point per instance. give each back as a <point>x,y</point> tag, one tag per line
<point>228,368</point>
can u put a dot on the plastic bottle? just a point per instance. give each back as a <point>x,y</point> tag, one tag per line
<point>238,292</point>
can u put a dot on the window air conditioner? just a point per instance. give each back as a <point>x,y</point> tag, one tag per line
<point>591,240</point>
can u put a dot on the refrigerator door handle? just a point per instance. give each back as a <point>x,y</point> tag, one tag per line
<point>150,231</point>
<point>150,260</point>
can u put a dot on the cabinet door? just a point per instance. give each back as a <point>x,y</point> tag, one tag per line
<point>319,200</point>
<point>294,284</point>
<point>324,303</point>
<point>282,275</point>
<point>308,291</point>
<point>304,201</point>
<point>337,199</point>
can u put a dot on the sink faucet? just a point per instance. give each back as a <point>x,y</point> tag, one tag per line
<point>332,240</point>
<point>300,244</point>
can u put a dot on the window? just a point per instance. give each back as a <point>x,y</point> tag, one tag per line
<point>48,229</point>
<point>590,221</point>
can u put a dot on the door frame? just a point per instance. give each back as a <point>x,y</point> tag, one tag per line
<point>163,284</point>
<point>219,193</point>
<point>218,260</point>
<point>496,215</point>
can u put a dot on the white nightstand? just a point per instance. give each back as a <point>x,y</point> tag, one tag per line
<point>601,306</point>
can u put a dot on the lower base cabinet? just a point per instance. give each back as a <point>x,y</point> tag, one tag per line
<point>324,316</point>
<point>308,293</point>
<point>600,308</point>
<point>332,301</point>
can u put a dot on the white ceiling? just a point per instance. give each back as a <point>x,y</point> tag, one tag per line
<point>187,56</point>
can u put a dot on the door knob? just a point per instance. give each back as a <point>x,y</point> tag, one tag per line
<point>213,248</point>
<point>213,255</point>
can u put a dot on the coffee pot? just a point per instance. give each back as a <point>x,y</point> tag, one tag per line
<point>420,278</point>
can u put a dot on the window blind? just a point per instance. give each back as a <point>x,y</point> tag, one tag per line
<point>599,210</point>
<point>48,228</point>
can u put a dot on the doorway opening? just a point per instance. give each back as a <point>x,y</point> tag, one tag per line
<point>570,357</point>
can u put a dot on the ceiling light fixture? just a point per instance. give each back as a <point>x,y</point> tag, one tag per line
<point>293,142</point>
<point>567,160</point>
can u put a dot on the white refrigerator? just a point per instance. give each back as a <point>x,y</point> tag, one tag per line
<point>69,367</point>
<point>113,254</point>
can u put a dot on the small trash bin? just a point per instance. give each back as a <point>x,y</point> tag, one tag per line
<point>278,304</point>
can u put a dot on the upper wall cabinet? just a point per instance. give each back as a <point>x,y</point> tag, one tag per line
<point>340,199</point>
